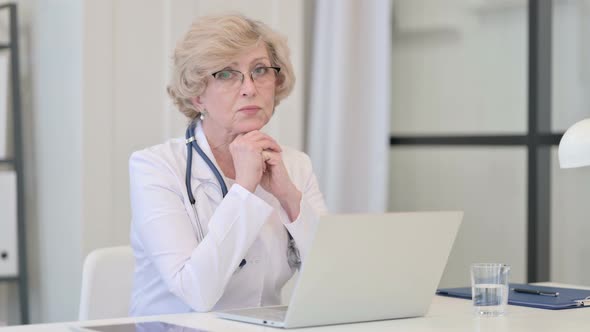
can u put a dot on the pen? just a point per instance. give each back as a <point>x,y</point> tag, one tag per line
<point>242,263</point>
<point>534,292</point>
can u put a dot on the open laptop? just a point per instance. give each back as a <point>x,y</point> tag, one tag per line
<point>365,267</point>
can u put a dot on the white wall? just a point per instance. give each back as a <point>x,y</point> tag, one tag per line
<point>100,68</point>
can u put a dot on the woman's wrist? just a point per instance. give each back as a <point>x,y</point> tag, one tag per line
<point>291,203</point>
<point>248,183</point>
<point>251,188</point>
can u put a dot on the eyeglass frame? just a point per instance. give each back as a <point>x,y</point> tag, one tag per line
<point>277,71</point>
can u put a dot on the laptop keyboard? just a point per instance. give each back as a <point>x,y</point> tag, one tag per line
<point>276,314</point>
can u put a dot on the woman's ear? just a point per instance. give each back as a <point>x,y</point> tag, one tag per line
<point>197,102</point>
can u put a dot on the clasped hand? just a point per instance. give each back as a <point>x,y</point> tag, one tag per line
<point>258,161</point>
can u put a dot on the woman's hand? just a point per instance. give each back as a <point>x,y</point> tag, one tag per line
<point>276,180</point>
<point>257,160</point>
<point>246,151</point>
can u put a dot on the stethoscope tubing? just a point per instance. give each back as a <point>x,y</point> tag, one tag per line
<point>190,139</point>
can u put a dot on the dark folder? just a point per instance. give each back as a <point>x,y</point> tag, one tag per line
<point>568,297</point>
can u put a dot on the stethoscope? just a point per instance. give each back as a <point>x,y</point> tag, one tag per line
<point>293,257</point>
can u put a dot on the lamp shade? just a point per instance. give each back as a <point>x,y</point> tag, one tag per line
<point>574,147</point>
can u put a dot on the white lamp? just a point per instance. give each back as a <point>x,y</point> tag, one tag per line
<point>574,147</point>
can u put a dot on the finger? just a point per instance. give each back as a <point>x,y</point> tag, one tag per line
<point>266,155</point>
<point>267,141</point>
<point>268,137</point>
<point>270,145</point>
<point>271,158</point>
<point>262,145</point>
<point>257,146</point>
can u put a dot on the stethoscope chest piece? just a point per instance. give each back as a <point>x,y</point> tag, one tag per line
<point>293,257</point>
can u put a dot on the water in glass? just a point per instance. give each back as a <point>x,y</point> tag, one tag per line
<point>490,299</point>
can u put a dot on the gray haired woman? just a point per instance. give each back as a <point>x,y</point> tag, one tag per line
<point>226,226</point>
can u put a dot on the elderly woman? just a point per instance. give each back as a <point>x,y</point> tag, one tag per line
<point>223,216</point>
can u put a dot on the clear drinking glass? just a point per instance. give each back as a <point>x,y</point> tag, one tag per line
<point>489,288</point>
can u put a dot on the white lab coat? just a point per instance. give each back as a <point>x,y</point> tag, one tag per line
<point>175,273</point>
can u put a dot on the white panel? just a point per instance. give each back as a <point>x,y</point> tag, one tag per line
<point>4,132</point>
<point>489,184</point>
<point>288,122</point>
<point>570,223</point>
<point>570,63</point>
<point>464,74</point>
<point>140,91</point>
<point>98,113</point>
<point>58,78</point>
<point>257,9</point>
<point>8,222</point>
<point>178,16</point>
<point>427,15</point>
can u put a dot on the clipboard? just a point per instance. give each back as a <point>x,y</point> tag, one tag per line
<point>568,298</point>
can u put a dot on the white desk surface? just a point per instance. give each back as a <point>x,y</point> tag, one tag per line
<point>445,314</point>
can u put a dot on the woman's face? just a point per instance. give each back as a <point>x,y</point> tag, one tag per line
<point>237,106</point>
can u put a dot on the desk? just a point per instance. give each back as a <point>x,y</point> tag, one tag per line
<point>445,314</point>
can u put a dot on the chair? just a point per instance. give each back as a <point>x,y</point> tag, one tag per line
<point>107,279</point>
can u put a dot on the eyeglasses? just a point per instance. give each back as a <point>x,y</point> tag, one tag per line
<point>231,79</point>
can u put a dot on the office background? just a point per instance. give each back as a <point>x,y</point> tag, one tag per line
<point>94,74</point>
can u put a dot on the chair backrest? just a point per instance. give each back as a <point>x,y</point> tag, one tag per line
<point>107,280</point>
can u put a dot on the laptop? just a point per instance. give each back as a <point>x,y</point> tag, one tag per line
<point>365,267</point>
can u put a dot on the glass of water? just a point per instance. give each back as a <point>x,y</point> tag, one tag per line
<point>489,288</point>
